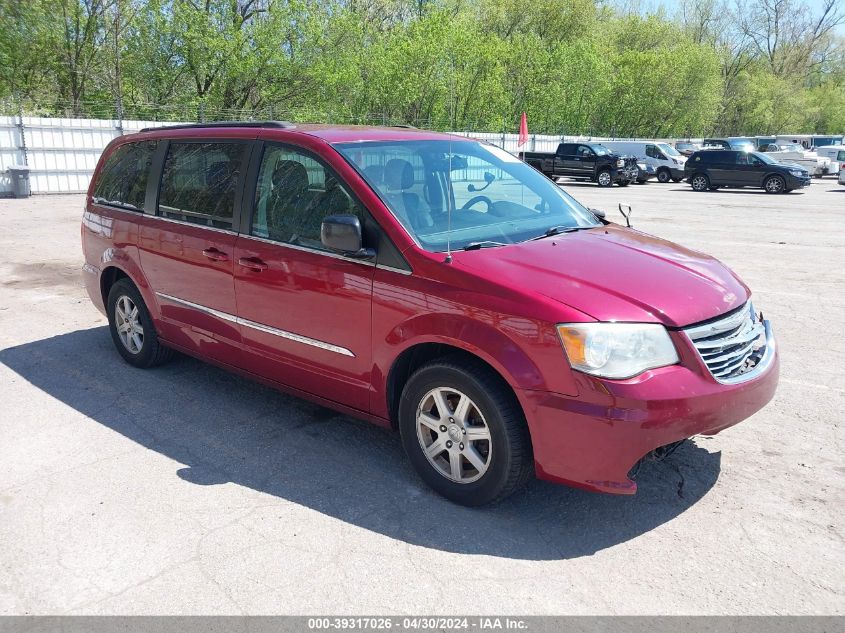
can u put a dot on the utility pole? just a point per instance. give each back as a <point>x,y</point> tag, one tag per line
<point>118,84</point>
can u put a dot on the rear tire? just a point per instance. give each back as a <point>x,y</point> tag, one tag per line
<point>132,328</point>
<point>477,450</point>
<point>663,175</point>
<point>604,179</point>
<point>700,182</point>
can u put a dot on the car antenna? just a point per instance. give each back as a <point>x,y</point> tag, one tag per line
<point>627,216</point>
<point>450,193</point>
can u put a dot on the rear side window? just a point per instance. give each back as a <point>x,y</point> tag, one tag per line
<point>198,183</point>
<point>123,179</point>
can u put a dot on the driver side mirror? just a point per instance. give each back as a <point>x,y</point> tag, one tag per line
<point>342,234</point>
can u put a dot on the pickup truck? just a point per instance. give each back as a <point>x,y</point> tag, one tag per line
<point>590,161</point>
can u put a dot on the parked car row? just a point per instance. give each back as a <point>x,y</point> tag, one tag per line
<point>782,169</point>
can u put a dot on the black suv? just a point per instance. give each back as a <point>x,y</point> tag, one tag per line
<point>714,168</point>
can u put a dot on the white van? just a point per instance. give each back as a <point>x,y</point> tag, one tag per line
<point>666,160</point>
<point>836,154</point>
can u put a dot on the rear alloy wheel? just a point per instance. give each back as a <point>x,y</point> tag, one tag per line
<point>604,179</point>
<point>663,175</point>
<point>774,184</point>
<point>700,182</point>
<point>464,432</point>
<point>132,328</point>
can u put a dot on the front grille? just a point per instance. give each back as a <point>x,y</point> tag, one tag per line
<point>732,345</point>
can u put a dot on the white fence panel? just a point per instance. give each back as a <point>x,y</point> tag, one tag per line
<point>62,153</point>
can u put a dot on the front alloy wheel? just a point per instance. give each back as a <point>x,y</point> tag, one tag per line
<point>775,184</point>
<point>453,435</point>
<point>604,179</point>
<point>464,431</point>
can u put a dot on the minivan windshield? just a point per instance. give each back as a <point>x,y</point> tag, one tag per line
<point>464,193</point>
<point>668,149</point>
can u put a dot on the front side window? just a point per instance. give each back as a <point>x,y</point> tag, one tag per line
<point>585,152</point>
<point>295,192</point>
<point>840,155</point>
<point>199,181</point>
<point>123,179</point>
<point>463,192</point>
<point>652,152</point>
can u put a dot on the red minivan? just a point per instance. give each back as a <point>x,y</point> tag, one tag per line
<point>429,283</point>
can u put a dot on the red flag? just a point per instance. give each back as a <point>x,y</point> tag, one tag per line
<point>523,131</point>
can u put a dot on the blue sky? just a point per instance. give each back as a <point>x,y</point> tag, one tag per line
<point>670,6</point>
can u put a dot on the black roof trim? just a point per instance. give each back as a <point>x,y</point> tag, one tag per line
<point>213,124</point>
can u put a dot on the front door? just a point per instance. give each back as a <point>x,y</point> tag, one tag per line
<point>749,170</point>
<point>304,311</point>
<point>187,248</point>
<point>585,161</point>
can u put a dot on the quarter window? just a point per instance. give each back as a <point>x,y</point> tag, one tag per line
<point>199,181</point>
<point>295,192</point>
<point>123,179</point>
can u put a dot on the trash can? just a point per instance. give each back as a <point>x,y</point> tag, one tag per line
<point>19,175</point>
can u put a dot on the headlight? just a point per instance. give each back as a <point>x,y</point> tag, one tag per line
<point>617,350</point>
<point>796,172</point>
<point>620,163</point>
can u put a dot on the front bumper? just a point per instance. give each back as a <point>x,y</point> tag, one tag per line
<point>797,182</point>
<point>593,440</point>
<point>625,174</point>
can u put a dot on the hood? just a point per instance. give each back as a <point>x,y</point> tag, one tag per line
<point>614,273</point>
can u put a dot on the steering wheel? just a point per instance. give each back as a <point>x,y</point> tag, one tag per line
<point>475,200</point>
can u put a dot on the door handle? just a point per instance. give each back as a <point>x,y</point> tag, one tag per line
<point>253,263</point>
<point>214,255</point>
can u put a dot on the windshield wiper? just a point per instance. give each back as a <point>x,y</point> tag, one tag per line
<point>474,246</point>
<point>557,230</point>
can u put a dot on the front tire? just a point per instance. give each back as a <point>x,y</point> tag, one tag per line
<point>774,184</point>
<point>464,431</point>
<point>604,179</point>
<point>700,182</point>
<point>663,175</point>
<point>132,328</point>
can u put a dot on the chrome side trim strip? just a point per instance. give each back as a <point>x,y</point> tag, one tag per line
<point>196,306</point>
<point>305,340</point>
<point>291,336</point>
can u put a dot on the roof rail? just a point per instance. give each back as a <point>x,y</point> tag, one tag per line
<point>212,124</point>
